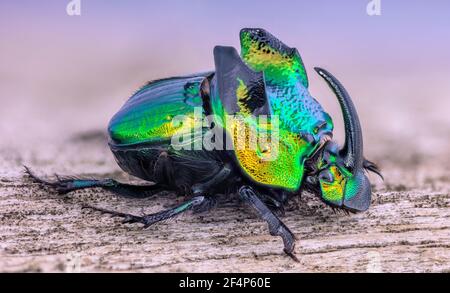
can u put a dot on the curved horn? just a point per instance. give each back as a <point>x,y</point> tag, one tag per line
<point>353,147</point>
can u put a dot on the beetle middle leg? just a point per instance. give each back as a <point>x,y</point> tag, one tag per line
<point>276,226</point>
<point>65,185</point>
<point>196,204</point>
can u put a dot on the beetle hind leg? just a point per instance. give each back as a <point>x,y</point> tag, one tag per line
<point>64,185</point>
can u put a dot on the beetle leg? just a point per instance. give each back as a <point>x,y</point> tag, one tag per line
<point>274,200</point>
<point>196,204</point>
<point>65,185</point>
<point>371,166</point>
<point>276,226</point>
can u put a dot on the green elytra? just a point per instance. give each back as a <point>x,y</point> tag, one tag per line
<point>147,115</point>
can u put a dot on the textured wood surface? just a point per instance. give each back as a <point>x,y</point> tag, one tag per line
<point>407,229</point>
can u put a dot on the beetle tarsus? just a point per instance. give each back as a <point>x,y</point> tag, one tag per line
<point>127,217</point>
<point>371,166</point>
<point>291,255</point>
<point>30,174</point>
<point>60,185</point>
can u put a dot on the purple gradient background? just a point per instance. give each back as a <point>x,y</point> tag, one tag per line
<point>77,71</point>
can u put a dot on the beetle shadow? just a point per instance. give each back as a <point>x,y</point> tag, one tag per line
<point>90,136</point>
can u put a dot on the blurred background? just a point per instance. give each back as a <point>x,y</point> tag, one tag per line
<point>61,75</point>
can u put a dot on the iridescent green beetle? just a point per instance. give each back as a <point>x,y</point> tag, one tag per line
<point>268,80</point>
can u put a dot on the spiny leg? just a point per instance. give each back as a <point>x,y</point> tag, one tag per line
<point>65,185</point>
<point>271,200</point>
<point>276,227</point>
<point>197,204</point>
<point>371,166</point>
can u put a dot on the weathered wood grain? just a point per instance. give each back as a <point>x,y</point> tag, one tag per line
<point>407,229</point>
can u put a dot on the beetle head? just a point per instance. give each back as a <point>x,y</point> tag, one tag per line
<point>337,174</point>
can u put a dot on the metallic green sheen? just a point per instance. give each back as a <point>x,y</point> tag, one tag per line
<point>286,83</point>
<point>147,115</point>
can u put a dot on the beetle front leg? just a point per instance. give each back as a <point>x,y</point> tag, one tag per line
<point>276,226</point>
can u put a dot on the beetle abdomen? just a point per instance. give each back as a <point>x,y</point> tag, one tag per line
<point>160,163</point>
<point>147,116</point>
<point>139,161</point>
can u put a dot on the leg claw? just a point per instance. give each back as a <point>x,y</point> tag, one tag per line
<point>291,255</point>
<point>60,185</point>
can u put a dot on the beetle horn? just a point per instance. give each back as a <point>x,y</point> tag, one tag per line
<point>353,147</point>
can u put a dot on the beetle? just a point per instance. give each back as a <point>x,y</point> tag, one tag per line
<point>267,79</point>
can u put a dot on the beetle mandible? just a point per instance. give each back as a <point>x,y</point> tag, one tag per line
<point>268,79</point>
